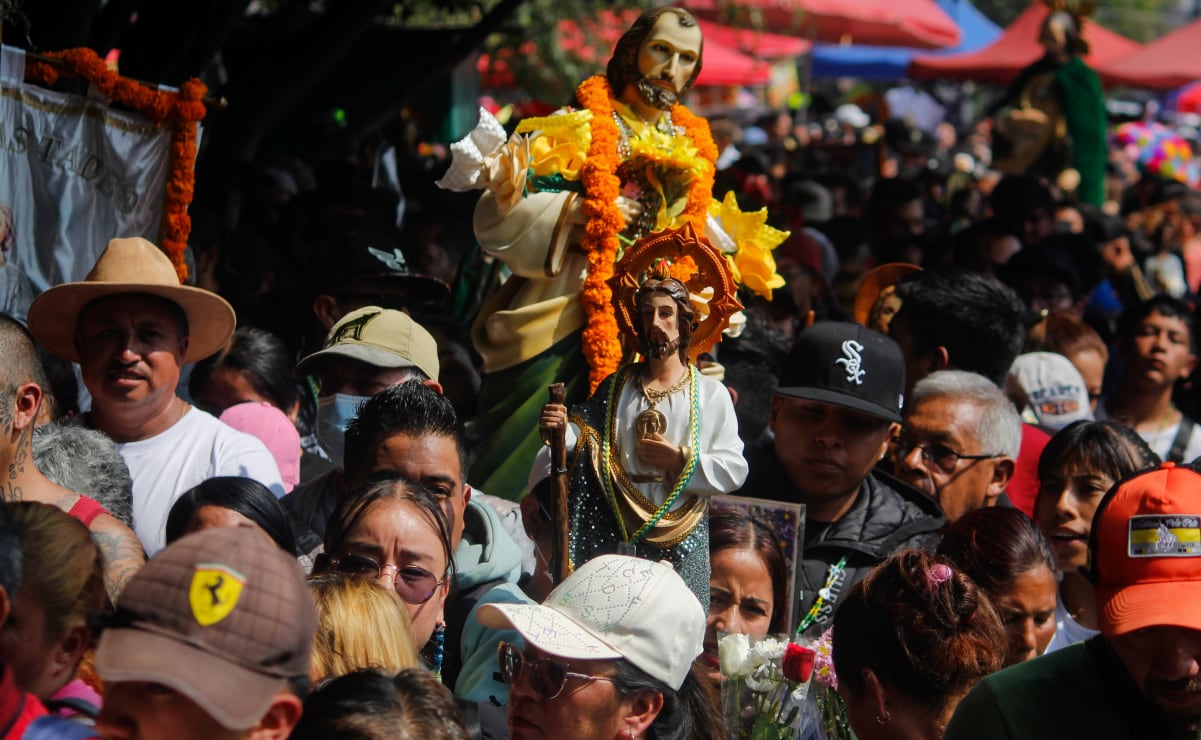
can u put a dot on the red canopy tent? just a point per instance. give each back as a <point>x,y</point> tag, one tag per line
<point>1016,48</point>
<point>726,66</point>
<point>918,24</point>
<point>591,40</point>
<point>758,44</point>
<point>1189,100</point>
<point>723,63</point>
<point>1169,61</point>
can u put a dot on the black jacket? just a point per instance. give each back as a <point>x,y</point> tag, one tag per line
<point>888,515</point>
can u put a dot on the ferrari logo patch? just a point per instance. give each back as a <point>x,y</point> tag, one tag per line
<point>214,593</point>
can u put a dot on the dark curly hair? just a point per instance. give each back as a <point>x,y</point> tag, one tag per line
<point>367,705</point>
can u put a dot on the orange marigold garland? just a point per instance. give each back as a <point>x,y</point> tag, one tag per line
<point>602,346</point>
<point>700,192</point>
<point>186,106</point>
<point>605,222</point>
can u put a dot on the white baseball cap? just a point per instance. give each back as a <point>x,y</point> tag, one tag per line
<point>613,607</point>
<point>1054,391</point>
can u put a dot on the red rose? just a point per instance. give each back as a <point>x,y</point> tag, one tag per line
<point>798,662</point>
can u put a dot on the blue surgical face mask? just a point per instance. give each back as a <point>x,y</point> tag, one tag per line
<point>333,414</point>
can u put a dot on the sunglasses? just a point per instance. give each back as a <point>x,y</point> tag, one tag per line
<point>414,584</point>
<point>547,677</point>
<point>935,454</point>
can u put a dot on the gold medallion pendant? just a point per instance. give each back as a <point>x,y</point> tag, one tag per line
<point>650,423</point>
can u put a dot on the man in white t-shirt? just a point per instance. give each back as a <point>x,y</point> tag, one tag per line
<point>1157,345</point>
<point>130,325</point>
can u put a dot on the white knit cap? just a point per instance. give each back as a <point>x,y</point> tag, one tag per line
<point>612,607</point>
<point>1055,392</point>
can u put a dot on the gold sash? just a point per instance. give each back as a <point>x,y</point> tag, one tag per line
<point>635,508</point>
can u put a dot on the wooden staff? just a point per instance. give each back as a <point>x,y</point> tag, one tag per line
<point>558,486</point>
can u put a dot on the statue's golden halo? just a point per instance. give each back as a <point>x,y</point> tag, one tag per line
<point>696,263</point>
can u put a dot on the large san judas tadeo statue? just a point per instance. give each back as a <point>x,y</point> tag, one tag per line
<point>563,197</point>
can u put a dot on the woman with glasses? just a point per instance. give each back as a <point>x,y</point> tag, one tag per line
<point>608,656</point>
<point>394,531</point>
<point>1077,467</point>
<point>1010,559</point>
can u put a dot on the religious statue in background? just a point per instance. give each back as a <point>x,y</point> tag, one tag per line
<point>1053,119</point>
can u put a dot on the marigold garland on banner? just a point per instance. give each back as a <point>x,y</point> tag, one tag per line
<point>605,221</point>
<point>186,106</point>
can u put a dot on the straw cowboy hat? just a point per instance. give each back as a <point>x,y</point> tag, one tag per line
<point>131,266</point>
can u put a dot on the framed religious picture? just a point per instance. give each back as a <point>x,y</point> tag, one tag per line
<point>787,522</point>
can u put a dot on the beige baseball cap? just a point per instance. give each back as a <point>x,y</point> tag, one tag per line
<point>383,337</point>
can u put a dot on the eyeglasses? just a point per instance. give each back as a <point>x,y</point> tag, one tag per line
<point>414,584</point>
<point>935,454</point>
<point>547,677</point>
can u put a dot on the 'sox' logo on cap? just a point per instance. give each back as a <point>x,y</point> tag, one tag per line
<point>214,593</point>
<point>852,361</point>
<point>394,260</point>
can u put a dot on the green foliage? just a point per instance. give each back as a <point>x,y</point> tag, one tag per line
<point>1001,12</point>
<point>1141,20</point>
<point>531,46</point>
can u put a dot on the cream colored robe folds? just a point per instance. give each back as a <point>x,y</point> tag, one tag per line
<point>539,305</point>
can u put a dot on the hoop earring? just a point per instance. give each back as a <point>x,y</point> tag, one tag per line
<point>439,648</point>
<point>885,719</point>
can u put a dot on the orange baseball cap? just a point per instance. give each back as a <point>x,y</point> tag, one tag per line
<point>1146,552</point>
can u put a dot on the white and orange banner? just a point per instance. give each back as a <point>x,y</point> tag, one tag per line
<point>74,173</point>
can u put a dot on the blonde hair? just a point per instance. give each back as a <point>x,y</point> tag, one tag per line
<point>360,625</point>
<point>62,568</point>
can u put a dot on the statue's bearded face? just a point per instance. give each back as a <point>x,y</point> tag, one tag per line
<point>660,325</point>
<point>667,59</point>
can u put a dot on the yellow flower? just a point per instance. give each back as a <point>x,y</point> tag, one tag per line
<point>757,269</point>
<point>550,156</point>
<point>753,263</point>
<point>559,143</point>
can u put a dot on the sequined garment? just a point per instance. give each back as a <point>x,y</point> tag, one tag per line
<point>682,535</point>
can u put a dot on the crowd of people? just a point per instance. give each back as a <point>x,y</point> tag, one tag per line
<point>314,493</point>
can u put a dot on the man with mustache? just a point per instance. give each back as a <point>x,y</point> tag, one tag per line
<point>672,442</point>
<point>130,325</point>
<point>1141,677</point>
<point>960,438</point>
